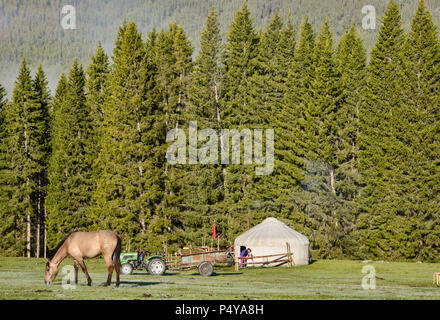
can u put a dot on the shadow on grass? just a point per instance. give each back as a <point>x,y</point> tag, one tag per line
<point>215,274</point>
<point>226,273</point>
<point>139,283</point>
<point>147,274</point>
<point>102,284</point>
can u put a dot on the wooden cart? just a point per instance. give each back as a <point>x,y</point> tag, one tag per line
<point>203,260</point>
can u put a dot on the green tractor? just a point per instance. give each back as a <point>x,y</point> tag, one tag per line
<point>155,264</point>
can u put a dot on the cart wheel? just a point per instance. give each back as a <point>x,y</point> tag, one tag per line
<point>156,267</point>
<point>126,268</point>
<point>206,269</point>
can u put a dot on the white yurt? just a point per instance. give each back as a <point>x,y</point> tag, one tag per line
<point>270,237</point>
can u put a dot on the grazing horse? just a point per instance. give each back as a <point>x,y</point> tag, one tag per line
<point>84,245</point>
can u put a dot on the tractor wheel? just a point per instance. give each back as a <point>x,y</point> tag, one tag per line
<point>156,267</point>
<point>127,268</point>
<point>206,269</point>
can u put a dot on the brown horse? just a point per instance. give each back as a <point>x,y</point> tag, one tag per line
<point>84,245</point>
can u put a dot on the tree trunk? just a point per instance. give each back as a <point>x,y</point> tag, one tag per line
<point>332,180</point>
<point>37,250</point>
<point>221,137</point>
<point>28,236</point>
<point>28,218</point>
<point>45,236</point>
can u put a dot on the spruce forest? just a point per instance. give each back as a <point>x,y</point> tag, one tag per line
<point>357,138</point>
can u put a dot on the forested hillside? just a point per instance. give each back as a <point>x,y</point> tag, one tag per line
<point>32,28</point>
<point>356,145</point>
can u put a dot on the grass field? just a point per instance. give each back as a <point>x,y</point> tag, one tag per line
<point>22,278</point>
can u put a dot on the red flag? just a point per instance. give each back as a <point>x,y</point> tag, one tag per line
<point>213,230</point>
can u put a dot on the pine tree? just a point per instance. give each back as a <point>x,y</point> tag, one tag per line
<point>8,227</point>
<point>118,42</point>
<point>174,68</point>
<point>290,143</point>
<point>96,87</point>
<point>3,102</point>
<point>301,71</point>
<point>275,56</point>
<point>291,147</point>
<point>269,75</point>
<point>25,129</point>
<point>237,112</point>
<point>69,171</point>
<point>204,182</point>
<point>40,87</point>
<point>60,93</point>
<point>129,186</point>
<point>351,64</point>
<point>241,49</point>
<point>419,86</point>
<point>383,221</point>
<point>321,104</point>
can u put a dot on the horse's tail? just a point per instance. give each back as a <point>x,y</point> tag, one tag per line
<point>117,253</point>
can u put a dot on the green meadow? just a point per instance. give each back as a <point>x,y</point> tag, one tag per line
<point>22,278</point>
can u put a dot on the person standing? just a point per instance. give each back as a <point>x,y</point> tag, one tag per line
<point>244,253</point>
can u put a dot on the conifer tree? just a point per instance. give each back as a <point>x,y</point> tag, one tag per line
<point>96,87</point>
<point>3,102</point>
<point>301,71</point>
<point>383,222</point>
<point>275,56</point>
<point>25,127</point>
<point>290,144</point>
<point>40,86</point>
<point>7,226</point>
<point>129,185</point>
<point>69,171</point>
<point>118,42</point>
<point>321,104</point>
<point>204,185</point>
<point>420,87</point>
<point>54,106</point>
<point>351,64</point>
<point>241,49</point>
<point>60,94</point>
<point>237,112</point>
<point>174,67</point>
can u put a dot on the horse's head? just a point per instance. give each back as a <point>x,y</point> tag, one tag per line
<point>51,272</point>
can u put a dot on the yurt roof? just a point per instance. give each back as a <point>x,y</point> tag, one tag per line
<point>271,229</point>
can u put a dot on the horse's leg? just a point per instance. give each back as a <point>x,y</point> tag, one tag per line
<point>118,269</point>
<point>109,262</point>
<point>84,269</point>
<point>116,259</point>
<point>75,265</point>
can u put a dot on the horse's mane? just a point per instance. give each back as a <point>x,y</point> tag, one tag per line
<point>54,251</point>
